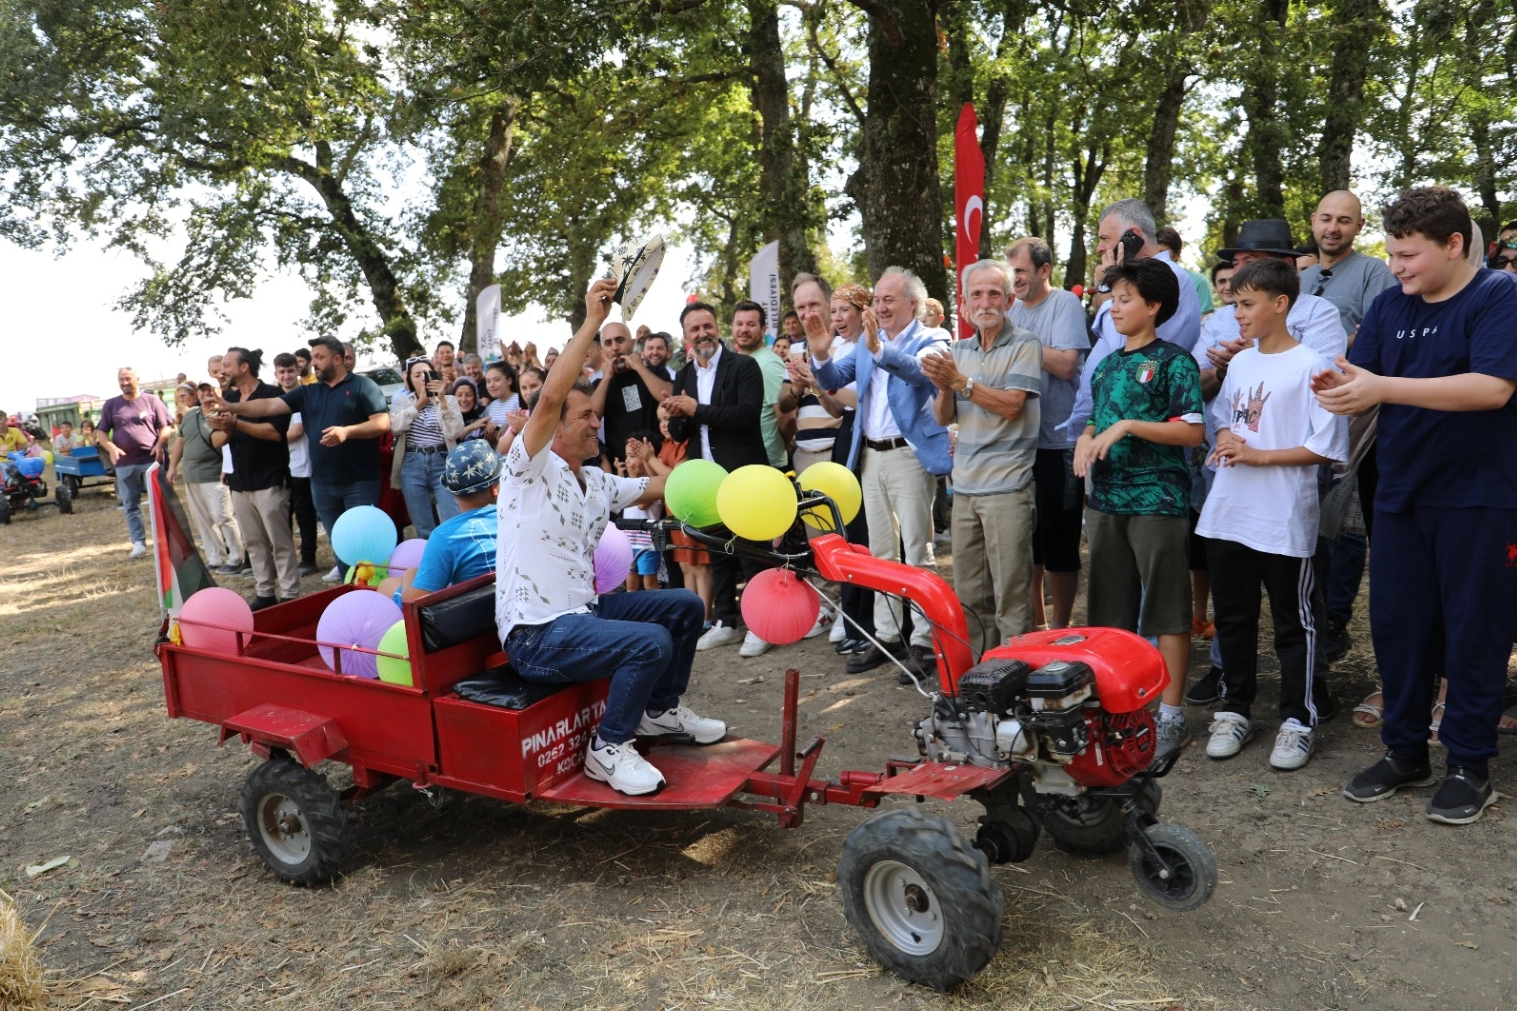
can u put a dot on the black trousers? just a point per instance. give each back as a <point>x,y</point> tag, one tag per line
<point>303,513</point>
<point>726,572</point>
<point>1238,574</point>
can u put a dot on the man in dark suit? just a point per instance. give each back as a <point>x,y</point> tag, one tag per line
<point>716,403</point>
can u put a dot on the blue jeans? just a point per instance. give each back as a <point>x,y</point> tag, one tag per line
<point>131,485</point>
<point>421,484</point>
<point>332,500</point>
<point>644,642</point>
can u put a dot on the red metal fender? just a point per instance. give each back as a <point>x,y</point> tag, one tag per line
<point>312,739</point>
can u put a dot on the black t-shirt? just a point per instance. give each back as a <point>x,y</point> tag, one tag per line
<point>259,463</point>
<point>349,402</point>
<point>630,409</point>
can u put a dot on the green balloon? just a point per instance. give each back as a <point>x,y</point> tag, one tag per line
<point>396,672</point>
<point>691,492</point>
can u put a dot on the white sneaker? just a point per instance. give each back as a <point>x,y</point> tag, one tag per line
<point>1293,746</point>
<point>335,576</point>
<point>681,722</point>
<point>138,550</point>
<point>620,767</point>
<point>839,632</point>
<point>824,621</point>
<point>754,646</point>
<point>1229,732</point>
<point>718,635</point>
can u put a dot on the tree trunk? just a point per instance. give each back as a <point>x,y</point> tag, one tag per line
<point>384,288</point>
<point>993,120</point>
<point>1266,134</point>
<point>485,221</point>
<point>1158,166</point>
<point>896,186</point>
<point>1353,23</point>
<point>786,209</point>
<point>1088,166</point>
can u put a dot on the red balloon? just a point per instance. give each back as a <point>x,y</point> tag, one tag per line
<point>778,607</point>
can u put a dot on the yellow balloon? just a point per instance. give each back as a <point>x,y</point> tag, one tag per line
<point>756,502</point>
<point>837,483</point>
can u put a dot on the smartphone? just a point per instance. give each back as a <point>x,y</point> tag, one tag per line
<point>1131,242</point>
<point>433,376</point>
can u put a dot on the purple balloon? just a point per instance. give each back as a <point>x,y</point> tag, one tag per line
<point>407,555</point>
<point>613,559</point>
<point>357,618</point>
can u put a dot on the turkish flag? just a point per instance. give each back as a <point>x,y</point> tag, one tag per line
<point>968,202</point>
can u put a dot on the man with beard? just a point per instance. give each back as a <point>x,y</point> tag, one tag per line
<point>627,401</point>
<point>717,400</point>
<point>656,354</point>
<point>1348,279</point>
<point>991,382</point>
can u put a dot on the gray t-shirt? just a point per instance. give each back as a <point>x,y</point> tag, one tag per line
<point>995,456</point>
<point>1351,285</point>
<point>1059,323</point>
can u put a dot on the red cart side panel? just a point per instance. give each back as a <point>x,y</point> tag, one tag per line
<point>517,753</point>
<point>314,739</point>
<point>387,727</point>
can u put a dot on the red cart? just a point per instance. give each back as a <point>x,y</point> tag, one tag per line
<point>1049,732</point>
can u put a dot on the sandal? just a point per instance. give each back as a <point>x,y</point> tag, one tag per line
<point>1437,721</point>
<point>1368,715</point>
<point>1508,724</point>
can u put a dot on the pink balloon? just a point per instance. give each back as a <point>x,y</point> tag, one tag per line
<point>355,619</point>
<point>211,618</point>
<point>778,607</point>
<point>613,559</point>
<point>407,555</point>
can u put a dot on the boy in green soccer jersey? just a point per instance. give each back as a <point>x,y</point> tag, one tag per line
<point>1147,411</point>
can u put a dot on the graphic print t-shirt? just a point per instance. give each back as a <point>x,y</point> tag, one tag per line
<point>1157,382</point>
<point>1269,404</point>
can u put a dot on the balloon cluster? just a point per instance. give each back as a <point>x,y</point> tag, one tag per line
<point>758,502</point>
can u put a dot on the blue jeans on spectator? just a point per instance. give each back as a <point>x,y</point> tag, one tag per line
<point>421,484</point>
<point>644,642</point>
<point>131,485</point>
<point>332,500</point>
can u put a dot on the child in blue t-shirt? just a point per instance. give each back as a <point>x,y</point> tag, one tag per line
<point>1439,357</point>
<point>462,547</point>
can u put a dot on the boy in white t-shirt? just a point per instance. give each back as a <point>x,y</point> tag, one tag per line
<point>1260,518</point>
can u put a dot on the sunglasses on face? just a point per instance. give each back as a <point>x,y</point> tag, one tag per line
<point>1506,262</point>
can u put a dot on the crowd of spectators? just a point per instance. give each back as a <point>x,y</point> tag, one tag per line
<point>1206,436</point>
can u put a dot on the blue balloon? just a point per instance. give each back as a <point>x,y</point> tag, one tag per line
<point>364,534</point>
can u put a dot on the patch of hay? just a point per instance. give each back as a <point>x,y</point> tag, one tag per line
<point>20,971</point>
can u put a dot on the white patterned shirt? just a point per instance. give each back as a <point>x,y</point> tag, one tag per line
<point>548,531</point>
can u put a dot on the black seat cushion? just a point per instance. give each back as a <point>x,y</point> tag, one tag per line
<point>458,619</point>
<point>501,687</point>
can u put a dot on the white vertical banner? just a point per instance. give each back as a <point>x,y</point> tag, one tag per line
<point>486,322</point>
<point>764,284</point>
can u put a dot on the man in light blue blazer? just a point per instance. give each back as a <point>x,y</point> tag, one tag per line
<point>898,449</point>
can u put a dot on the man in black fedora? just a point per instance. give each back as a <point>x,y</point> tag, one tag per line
<point>1312,320</point>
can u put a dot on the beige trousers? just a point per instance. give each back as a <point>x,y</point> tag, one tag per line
<point>211,513</point>
<point>264,518</point>
<point>898,493</point>
<point>992,563</point>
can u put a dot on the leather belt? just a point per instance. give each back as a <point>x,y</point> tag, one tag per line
<point>885,445</point>
<point>426,449</point>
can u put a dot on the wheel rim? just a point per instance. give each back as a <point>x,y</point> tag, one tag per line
<point>283,829</point>
<point>903,907</point>
<point>1182,873</point>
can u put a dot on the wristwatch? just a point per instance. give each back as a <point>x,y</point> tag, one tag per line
<point>968,388</point>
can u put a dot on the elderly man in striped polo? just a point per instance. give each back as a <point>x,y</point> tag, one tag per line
<point>991,382</point>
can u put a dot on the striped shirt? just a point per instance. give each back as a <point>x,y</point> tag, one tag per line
<point>425,430</point>
<point>994,456</point>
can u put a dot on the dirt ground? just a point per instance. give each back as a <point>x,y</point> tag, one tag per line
<point>455,902</point>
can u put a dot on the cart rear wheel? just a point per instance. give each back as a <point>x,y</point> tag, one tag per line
<point>5,511</point>
<point>296,822</point>
<point>64,496</point>
<point>920,897</point>
<point>1185,873</point>
<point>72,482</point>
<point>1094,825</point>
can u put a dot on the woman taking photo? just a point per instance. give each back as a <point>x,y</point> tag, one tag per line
<point>426,422</point>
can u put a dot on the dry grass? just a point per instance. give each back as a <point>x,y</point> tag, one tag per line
<point>20,971</point>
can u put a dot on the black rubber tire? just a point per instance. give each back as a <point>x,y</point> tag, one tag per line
<point>1195,868</point>
<point>1102,827</point>
<point>5,512</point>
<point>295,821</point>
<point>72,482</point>
<point>960,901</point>
<point>63,495</point>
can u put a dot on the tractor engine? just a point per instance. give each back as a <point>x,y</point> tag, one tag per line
<point>1070,703</point>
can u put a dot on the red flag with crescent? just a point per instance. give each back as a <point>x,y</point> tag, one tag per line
<point>968,201</point>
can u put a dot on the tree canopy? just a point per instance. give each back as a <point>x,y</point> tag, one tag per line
<point>401,157</point>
